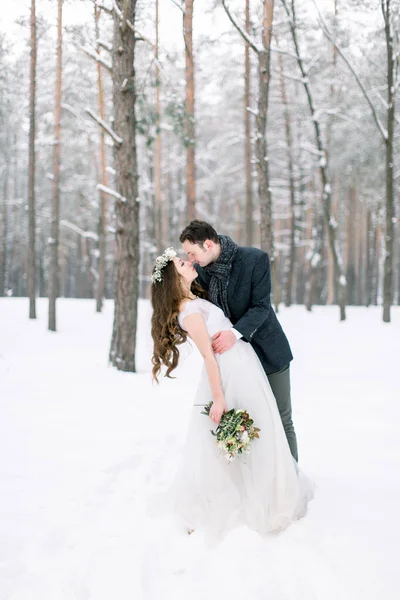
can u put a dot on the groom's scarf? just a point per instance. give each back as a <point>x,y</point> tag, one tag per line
<point>220,272</point>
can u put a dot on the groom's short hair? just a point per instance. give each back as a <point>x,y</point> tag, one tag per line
<point>197,232</point>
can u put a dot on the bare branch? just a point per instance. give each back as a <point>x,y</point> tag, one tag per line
<point>328,35</point>
<point>131,27</point>
<point>102,6</point>
<point>176,4</point>
<point>104,45</point>
<point>78,230</point>
<point>383,101</point>
<point>284,52</point>
<point>80,117</point>
<point>252,43</point>
<point>93,54</point>
<point>104,125</point>
<point>288,76</point>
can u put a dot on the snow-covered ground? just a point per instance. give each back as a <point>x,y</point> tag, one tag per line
<point>84,451</point>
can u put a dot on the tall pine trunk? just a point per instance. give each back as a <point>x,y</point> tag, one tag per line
<point>264,189</point>
<point>4,233</point>
<point>389,230</point>
<point>326,185</point>
<point>55,205</point>
<point>292,187</point>
<point>331,283</point>
<point>247,133</point>
<point>123,343</point>
<point>263,52</point>
<point>159,213</point>
<point>104,178</point>
<point>31,170</point>
<point>189,110</point>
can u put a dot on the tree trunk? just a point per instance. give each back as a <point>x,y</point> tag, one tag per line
<point>331,271</point>
<point>350,243</point>
<point>247,129</point>
<point>55,206</point>
<point>158,148</point>
<point>104,178</point>
<point>31,170</point>
<point>331,274</point>
<point>189,109</point>
<point>369,255</point>
<point>326,196</point>
<point>290,162</point>
<point>391,66</point>
<point>310,282</point>
<point>261,150</point>
<point>276,272</point>
<point>358,254</point>
<point>123,343</point>
<point>377,262</point>
<point>264,189</point>
<point>4,237</point>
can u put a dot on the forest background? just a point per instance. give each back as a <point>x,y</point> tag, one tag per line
<point>275,121</point>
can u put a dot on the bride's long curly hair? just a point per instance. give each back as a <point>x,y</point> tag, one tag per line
<point>166,298</point>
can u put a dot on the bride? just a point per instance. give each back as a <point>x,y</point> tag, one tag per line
<point>265,489</point>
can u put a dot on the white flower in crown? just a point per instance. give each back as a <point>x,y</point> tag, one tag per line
<point>161,262</point>
<point>170,252</point>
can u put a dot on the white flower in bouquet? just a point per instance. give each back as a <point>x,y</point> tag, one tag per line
<point>235,432</point>
<point>244,437</point>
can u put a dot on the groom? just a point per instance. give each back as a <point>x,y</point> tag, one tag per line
<point>238,280</point>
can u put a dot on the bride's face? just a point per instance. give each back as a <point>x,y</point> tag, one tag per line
<point>185,269</point>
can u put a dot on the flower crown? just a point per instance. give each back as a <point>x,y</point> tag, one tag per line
<point>161,262</point>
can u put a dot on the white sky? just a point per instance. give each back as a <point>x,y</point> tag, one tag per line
<point>78,11</point>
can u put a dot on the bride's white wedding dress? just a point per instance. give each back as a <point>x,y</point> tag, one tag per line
<point>264,489</point>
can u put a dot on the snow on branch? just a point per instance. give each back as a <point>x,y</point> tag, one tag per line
<point>96,56</point>
<point>121,16</point>
<point>110,192</point>
<point>328,35</point>
<point>102,6</point>
<point>104,125</point>
<point>79,116</point>
<point>104,44</point>
<point>284,52</point>
<point>252,43</point>
<point>78,230</point>
<point>252,111</point>
<point>95,273</point>
<point>292,77</point>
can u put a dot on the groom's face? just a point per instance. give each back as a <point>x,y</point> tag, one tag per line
<point>199,254</point>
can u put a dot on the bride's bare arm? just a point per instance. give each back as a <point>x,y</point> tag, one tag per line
<point>197,330</point>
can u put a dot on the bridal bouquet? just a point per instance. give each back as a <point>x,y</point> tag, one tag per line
<point>235,432</point>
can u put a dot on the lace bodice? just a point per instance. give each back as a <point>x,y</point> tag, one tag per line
<point>213,315</point>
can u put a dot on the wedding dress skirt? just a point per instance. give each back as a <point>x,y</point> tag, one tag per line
<point>264,489</point>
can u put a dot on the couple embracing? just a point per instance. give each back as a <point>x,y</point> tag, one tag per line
<point>220,298</point>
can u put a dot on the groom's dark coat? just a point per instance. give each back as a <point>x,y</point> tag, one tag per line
<point>249,291</point>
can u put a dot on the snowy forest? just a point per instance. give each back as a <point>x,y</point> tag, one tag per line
<point>274,121</point>
<point>278,122</point>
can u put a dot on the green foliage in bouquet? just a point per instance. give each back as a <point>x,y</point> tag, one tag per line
<point>235,432</point>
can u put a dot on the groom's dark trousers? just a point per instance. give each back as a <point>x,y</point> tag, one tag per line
<point>249,292</point>
<point>280,384</point>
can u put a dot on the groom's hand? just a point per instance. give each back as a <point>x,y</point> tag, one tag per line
<point>223,341</point>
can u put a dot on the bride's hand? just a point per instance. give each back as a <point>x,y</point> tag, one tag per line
<point>217,410</point>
